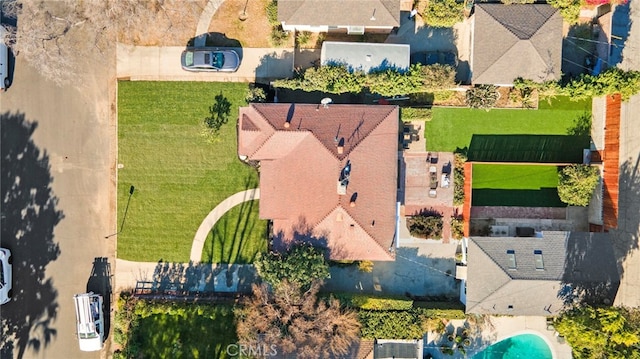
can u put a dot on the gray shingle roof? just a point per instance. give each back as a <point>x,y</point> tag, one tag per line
<point>580,265</point>
<point>340,12</point>
<point>517,40</point>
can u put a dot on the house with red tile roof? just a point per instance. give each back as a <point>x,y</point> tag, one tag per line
<point>328,174</point>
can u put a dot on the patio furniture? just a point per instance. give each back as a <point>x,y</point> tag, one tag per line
<point>433,193</point>
<point>445,181</point>
<point>432,157</point>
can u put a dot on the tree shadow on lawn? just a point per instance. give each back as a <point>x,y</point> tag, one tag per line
<point>232,237</point>
<point>29,216</point>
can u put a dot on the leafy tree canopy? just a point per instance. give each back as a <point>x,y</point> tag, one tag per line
<point>576,184</point>
<point>301,265</point>
<point>596,333</point>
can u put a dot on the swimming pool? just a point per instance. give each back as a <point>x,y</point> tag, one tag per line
<point>529,346</point>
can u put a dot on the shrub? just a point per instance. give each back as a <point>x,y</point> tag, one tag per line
<point>302,38</point>
<point>369,302</point>
<point>331,79</point>
<point>444,13</point>
<point>272,12</point>
<point>458,179</point>
<point>337,78</point>
<point>255,94</point>
<point>416,113</point>
<point>365,266</point>
<point>405,324</point>
<point>426,225</point>
<point>576,184</point>
<point>301,265</point>
<point>278,36</point>
<point>438,77</point>
<point>482,96</point>
<point>391,82</point>
<point>457,227</point>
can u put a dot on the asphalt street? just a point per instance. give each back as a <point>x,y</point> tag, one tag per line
<point>62,205</point>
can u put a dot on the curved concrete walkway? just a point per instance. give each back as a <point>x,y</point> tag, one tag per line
<point>213,216</point>
<point>205,20</point>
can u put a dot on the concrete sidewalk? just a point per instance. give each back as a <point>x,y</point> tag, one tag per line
<point>190,277</point>
<point>154,63</point>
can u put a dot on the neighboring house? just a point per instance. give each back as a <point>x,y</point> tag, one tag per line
<point>516,40</point>
<point>352,16</point>
<point>539,276</point>
<point>364,56</point>
<point>328,174</point>
<point>397,349</point>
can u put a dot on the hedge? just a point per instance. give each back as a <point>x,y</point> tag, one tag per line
<point>368,302</point>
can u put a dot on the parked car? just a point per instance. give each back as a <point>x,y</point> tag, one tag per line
<point>210,59</point>
<point>5,80</point>
<point>5,275</point>
<point>435,57</point>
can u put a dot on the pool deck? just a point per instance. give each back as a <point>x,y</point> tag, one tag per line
<point>494,329</point>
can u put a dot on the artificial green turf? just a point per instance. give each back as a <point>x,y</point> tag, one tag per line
<point>237,237</point>
<point>514,176</point>
<point>179,176</point>
<point>453,128</point>
<point>515,185</point>
<point>187,331</point>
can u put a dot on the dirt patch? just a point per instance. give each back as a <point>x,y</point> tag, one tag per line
<point>254,31</point>
<point>172,23</point>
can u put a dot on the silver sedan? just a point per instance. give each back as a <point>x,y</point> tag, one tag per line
<point>210,59</point>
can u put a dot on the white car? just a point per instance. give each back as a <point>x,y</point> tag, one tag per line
<point>5,275</point>
<point>5,80</point>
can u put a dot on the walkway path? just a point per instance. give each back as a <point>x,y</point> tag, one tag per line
<point>215,215</point>
<point>205,20</point>
<point>185,277</point>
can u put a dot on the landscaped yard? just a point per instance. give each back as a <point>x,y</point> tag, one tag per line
<point>237,237</point>
<point>179,176</point>
<point>515,185</point>
<point>183,331</point>
<point>452,128</point>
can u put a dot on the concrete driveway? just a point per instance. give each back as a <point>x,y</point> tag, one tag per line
<point>163,64</point>
<point>419,270</point>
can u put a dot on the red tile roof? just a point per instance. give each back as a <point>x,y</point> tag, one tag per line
<point>300,165</point>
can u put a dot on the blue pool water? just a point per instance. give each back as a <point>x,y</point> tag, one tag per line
<point>523,346</point>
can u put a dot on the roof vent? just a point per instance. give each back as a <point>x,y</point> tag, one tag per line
<point>343,180</point>
<point>341,146</point>
<point>352,202</point>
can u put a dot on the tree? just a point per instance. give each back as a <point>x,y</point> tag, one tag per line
<point>444,13</point>
<point>426,224</point>
<point>569,9</point>
<point>576,184</point>
<point>301,265</point>
<point>218,114</point>
<point>62,39</point>
<point>608,332</point>
<point>295,321</point>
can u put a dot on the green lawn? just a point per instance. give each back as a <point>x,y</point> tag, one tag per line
<point>515,185</point>
<point>178,175</point>
<point>453,128</point>
<point>186,331</point>
<point>237,237</point>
